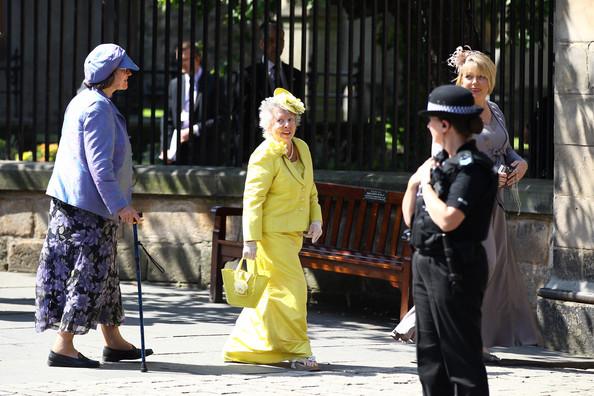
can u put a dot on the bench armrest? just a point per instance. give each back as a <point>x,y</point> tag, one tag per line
<point>219,235</point>
<point>225,211</point>
<point>220,222</point>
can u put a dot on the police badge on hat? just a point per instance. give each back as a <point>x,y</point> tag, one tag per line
<point>453,100</point>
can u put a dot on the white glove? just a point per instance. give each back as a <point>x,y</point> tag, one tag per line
<point>315,231</point>
<point>249,250</point>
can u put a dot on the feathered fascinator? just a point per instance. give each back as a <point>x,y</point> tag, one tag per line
<point>288,101</point>
<point>458,58</point>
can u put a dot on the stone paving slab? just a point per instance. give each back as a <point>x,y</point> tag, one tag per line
<point>187,332</point>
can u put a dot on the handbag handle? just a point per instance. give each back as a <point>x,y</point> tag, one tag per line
<point>241,263</point>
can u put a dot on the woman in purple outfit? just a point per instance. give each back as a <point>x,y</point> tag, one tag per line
<point>507,317</point>
<point>77,285</point>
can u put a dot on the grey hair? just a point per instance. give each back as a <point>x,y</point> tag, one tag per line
<point>266,115</point>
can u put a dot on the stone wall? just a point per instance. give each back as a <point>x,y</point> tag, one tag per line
<point>23,224</point>
<point>566,306</point>
<point>176,231</point>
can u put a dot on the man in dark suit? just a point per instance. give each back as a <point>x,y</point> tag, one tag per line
<point>259,81</point>
<point>203,115</point>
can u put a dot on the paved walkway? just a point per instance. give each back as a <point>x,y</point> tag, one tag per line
<point>187,333</point>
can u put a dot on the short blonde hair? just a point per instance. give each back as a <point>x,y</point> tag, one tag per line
<point>465,58</point>
<point>267,108</point>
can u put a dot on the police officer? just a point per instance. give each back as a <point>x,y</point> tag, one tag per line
<point>448,204</point>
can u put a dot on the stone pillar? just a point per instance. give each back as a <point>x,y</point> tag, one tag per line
<point>566,303</point>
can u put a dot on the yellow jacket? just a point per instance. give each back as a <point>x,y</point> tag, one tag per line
<point>276,198</point>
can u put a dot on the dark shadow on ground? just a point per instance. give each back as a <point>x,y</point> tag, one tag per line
<point>17,301</point>
<point>165,304</point>
<point>546,364</point>
<point>256,370</point>
<point>168,305</point>
<point>17,316</point>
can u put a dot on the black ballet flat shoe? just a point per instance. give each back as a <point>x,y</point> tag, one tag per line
<point>115,355</point>
<point>489,358</point>
<point>57,360</point>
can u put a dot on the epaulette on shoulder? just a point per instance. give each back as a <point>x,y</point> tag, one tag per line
<point>465,158</point>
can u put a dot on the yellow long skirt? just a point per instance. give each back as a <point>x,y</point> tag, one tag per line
<point>276,330</point>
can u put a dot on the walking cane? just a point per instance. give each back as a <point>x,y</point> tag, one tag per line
<point>138,282</point>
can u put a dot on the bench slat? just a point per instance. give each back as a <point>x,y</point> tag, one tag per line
<point>393,263</point>
<point>348,224</point>
<point>337,216</point>
<point>359,225</point>
<point>353,269</point>
<point>397,224</point>
<point>326,204</point>
<point>383,235</point>
<point>371,227</point>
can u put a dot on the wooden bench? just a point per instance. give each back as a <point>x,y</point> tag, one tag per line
<point>362,237</point>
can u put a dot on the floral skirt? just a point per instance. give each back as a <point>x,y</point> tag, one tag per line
<point>77,283</point>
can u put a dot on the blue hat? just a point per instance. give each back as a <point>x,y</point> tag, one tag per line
<point>103,60</point>
<point>452,100</point>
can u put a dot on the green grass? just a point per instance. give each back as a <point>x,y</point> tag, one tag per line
<point>388,138</point>
<point>146,113</point>
<point>517,144</point>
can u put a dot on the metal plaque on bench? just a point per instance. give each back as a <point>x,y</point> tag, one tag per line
<point>375,195</point>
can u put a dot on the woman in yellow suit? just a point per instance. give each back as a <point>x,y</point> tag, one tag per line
<point>280,203</point>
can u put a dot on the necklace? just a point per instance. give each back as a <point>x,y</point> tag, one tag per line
<point>290,156</point>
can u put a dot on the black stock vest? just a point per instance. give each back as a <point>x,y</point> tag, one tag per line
<point>466,181</point>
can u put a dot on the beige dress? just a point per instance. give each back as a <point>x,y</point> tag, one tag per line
<point>507,317</point>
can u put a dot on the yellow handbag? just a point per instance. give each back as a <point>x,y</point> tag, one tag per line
<point>243,288</point>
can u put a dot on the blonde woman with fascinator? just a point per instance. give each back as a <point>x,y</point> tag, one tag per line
<point>507,317</point>
<point>280,207</point>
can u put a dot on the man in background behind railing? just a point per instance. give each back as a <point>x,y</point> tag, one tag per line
<point>261,79</point>
<point>205,85</point>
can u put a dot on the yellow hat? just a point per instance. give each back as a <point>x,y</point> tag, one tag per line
<point>288,101</point>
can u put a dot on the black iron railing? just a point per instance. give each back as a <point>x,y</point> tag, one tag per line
<point>367,68</point>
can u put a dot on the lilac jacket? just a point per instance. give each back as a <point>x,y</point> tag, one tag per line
<point>93,168</point>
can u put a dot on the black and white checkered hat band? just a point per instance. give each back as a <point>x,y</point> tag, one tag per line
<point>452,109</point>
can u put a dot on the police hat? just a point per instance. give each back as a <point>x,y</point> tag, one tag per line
<point>103,60</point>
<point>452,100</point>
